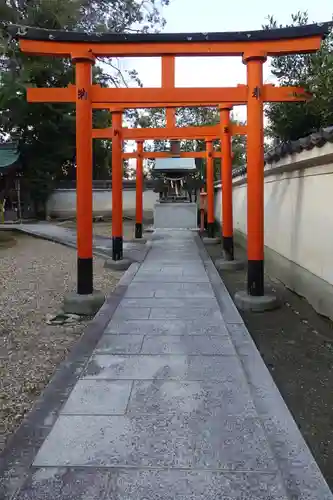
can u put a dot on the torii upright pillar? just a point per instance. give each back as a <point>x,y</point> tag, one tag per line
<point>84,177</point>
<point>86,301</point>
<point>227,262</point>
<point>210,239</point>
<point>226,179</point>
<point>210,189</point>
<point>139,191</point>
<point>117,261</point>
<point>255,299</point>
<point>117,187</point>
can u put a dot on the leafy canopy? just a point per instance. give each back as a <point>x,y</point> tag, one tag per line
<point>314,72</point>
<point>45,132</point>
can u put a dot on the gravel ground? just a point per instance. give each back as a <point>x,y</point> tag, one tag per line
<point>34,275</point>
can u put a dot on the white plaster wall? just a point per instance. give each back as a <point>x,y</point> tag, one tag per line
<point>298,209</point>
<point>62,202</point>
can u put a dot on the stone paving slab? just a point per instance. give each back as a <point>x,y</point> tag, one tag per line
<point>167,262</point>
<point>150,484</point>
<point>207,345</point>
<point>187,268</point>
<point>152,277</point>
<point>166,344</point>
<point>66,484</point>
<point>192,398</point>
<point>174,440</point>
<point>170,303</point>
<point>167,327</point>
<point>193,313</point>
<point>97,397</point>
<point>170,290</point>
<point>131,313</point>
<point>163,367</point>
<point>195,485</point>
<point>192,268</point>
<point>120,344</point>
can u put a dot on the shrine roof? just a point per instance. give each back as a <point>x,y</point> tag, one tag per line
<point>30,33</point>
<point>175,165</point>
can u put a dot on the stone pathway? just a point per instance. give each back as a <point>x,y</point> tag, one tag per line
<point>102,245</point>
<point>175,402</point>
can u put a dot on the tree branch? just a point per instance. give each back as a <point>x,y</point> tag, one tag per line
<point>109,63</point>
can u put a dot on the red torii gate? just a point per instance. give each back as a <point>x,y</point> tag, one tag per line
<point>253,47</point>
<point>208,133</point>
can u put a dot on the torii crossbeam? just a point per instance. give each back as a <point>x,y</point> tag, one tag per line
<point>122,98</point>
<point>254,48</point>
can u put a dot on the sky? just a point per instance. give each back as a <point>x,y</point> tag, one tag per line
<point>220,15</point>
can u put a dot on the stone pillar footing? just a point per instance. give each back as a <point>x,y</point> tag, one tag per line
<point>229,265</point>
<point>86,305</point>
<point>118,265</point>
<point>211,240</point>
<point>253,303</point>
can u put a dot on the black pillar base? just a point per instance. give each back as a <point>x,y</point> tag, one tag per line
<point>117,248</point>
<point>84,276</point>
<point>138,230</point>
<point>210,229</point>
<point>255,278</point>
<point>228,247</point>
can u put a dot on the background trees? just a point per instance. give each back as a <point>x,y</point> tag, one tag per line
<point>45,133</point>
<point>314,72</point>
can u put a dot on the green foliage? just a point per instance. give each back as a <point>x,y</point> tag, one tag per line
<point>153,118</point>
<point>45,132</point>
<point>314,72</point>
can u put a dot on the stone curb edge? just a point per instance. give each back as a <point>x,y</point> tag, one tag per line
<point>19,454</point>
<point>301,475</point>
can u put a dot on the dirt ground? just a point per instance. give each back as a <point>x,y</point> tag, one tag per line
<point>297,347</point>
<point>34,275</point>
